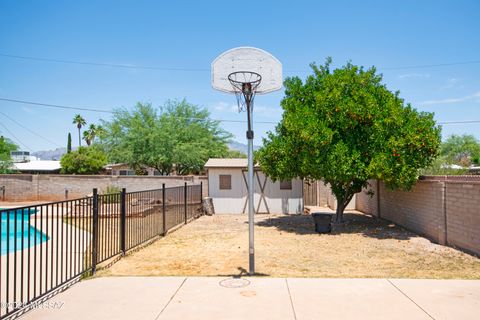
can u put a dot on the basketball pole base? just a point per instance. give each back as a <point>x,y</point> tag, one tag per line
<point>251,264</point>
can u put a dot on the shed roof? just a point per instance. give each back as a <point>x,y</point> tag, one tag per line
<point>39,165</point>
<point>227,163</point>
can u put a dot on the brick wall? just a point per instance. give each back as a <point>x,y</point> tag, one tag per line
<point>445,210</point>
<point>463,215</point>
<point>368,203</point>
<point>53,187</point>
<point>16,186</point>
<point>323,194</point>
<point>420,210</point>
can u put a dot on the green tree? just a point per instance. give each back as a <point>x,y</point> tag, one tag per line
<point>84,160</point>
<point>345,127</point>
<point>440,167</point>
<point>80,122</point>
<point>235,154</point>
<point>178,135</point>
<point>69,143</point>
<point>6,146</point>
<point>90,134</point>
<point>462,150</point>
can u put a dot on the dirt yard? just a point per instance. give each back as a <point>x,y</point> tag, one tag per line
<point>288,246</point>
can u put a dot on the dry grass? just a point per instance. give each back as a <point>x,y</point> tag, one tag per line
<point>287,246</point>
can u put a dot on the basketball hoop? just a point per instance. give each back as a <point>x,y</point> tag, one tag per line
<point>246,72</point>
<point>245,84</point>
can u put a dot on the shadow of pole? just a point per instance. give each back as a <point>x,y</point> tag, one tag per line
<point>359,223</point>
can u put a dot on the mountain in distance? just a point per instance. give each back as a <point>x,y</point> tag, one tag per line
<point>50,154</point>
<point>242,147</point>
<point>59,152</point>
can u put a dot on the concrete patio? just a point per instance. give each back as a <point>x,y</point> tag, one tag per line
<point>263,298</point>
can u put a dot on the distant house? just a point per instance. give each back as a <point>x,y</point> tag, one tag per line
<point>38,166</point>
<point>119,169</point>
<point>123,169</point>
<point>227,186</point>
<point>21,156</point>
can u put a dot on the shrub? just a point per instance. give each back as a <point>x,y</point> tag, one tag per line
<point>84,160</point>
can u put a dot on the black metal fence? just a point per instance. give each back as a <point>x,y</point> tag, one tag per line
<point>48,246</point>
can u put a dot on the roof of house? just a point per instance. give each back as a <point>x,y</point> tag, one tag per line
<point>114,165</point>
<point>227,163</point>
<point>38,165</point>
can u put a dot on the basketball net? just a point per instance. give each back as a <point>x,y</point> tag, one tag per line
<point>245,84</point>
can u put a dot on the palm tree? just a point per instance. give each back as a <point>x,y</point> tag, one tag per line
<point>90,134</point>
<point>80,122</point>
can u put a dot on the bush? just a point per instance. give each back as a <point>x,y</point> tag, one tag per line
<point>111,194</point>
<point>84,160</point>
<point>112,190</point>
<point>440,167</point>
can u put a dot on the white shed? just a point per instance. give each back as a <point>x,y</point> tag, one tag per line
<point>227,186</point>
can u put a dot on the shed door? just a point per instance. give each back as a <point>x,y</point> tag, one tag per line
<point>259,196</point>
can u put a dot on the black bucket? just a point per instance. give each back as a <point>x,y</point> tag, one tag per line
<point>322,222</point>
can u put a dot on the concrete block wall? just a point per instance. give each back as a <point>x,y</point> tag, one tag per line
<point>367,203</point>
<point>463,215</point>
<point>54,187</point>
<point>420,210</point>
<point>332,201</point>
<point>204,181</point>
<point>18,187</point>
<point>446,211</point>
<point>323,194</point>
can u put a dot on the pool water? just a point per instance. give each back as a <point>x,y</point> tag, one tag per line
<point>10,237</point>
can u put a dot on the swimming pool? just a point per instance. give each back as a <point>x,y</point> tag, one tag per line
<point>11,238</point>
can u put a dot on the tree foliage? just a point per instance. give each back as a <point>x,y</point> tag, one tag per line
<point>461,150</point>
<point>178,135</point>
<point>235,154</point>
<point>84,160</point>
<point>80,122</point>
<point>91,133</point>
<point>345,127</point>
<point>6,146</point>
<point>440,166</point>
<point>69,143</point>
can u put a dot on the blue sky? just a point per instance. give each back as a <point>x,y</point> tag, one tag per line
<point>190,34</point>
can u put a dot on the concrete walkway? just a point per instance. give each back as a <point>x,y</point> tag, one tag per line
<point>263,298</point>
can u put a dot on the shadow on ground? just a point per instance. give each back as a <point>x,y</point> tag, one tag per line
<point>363,224</point>
<point>243,273</point>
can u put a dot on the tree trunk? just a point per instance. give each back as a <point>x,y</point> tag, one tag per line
<point>79,138</point>
<point>339,212</point>
<point>342,203</point>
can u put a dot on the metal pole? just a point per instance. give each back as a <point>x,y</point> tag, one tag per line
<point>185,201</point>
<point>95,231</point>
<point>123,220</point>
<point>164,216</point>
<point>251,212</point>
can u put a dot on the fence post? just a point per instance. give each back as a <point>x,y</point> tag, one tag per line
<point>164,216</point>
<point>379,215</point>
<point>201,191</point>
<point>123,220</point>
<point>185,201</point>
<point>95,231</point>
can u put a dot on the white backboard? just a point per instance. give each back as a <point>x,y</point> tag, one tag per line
<point>247,59</point>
